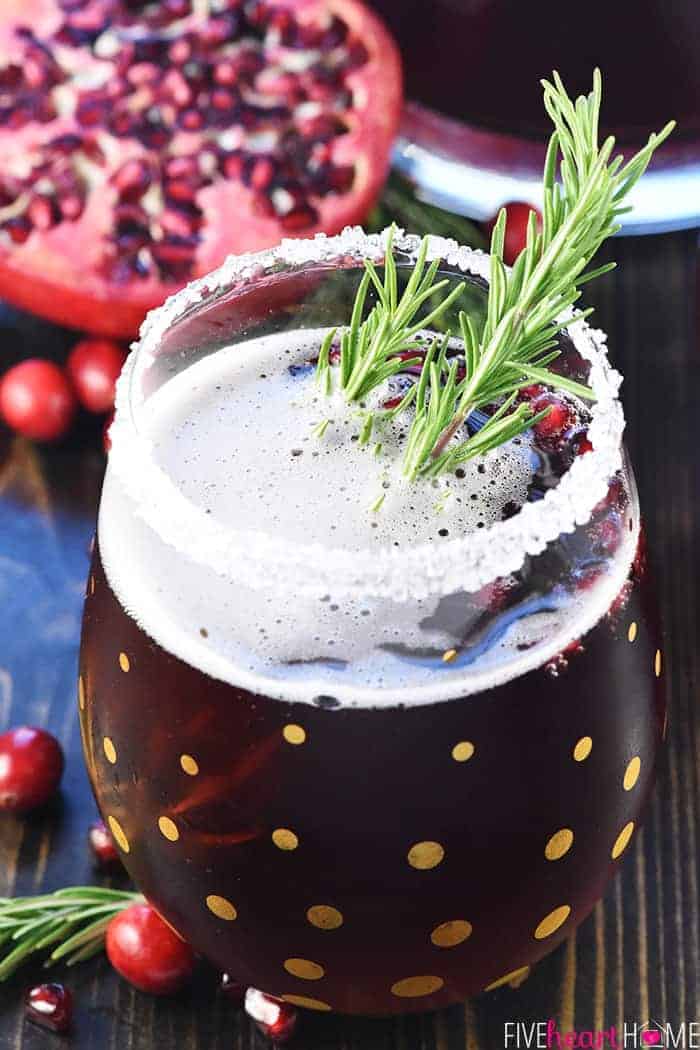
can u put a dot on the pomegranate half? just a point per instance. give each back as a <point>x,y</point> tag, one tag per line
<point>142,141</point>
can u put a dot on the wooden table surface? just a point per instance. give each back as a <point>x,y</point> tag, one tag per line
<point>635,958</point>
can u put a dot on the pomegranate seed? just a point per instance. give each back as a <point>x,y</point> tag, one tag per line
<point>517,218</point>
<point>132,180</point>
<point>225,72</point>
<point>94,366</point>
<point>299,219</point>
<point>146,952</point>
<point>180,190</point>
<point>71,206</point>
<point>275,1018</point>
<point>191,120</point>
<point>583,445</point>
<point>180,51</point>
<point>37,400</point>
<point>232,165</point>
<point>557,422</point>
<point>222,99</point>
<point>262,173</point>
<point>17,229</point>
<point>607,533</point>
<point>31,766</point>
<point>143,73</point>
<point>175,85</point>
<point>42,212</point>
<point>102,845</point>
<point>181,167</point>
<point>51,1006</point>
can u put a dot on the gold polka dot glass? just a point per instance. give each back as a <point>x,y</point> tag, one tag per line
<point>343,841</point>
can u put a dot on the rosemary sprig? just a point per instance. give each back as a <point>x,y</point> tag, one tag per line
<point>518,340</point>
<point>370,349</point>
<point>72,922</point>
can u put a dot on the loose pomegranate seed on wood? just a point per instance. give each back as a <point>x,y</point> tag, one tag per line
<point>51,1006</point>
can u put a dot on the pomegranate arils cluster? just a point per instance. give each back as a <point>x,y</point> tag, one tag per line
<point>154,103</point>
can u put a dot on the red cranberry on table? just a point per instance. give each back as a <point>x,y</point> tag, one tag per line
<point>31,766</point>
<point>145,951</point>
<point>275,1018</point>
<point>51,1006</point>
<point>517,218</point>
<point>103,846</point>
<point>93,366</point>
<point>37,400</point>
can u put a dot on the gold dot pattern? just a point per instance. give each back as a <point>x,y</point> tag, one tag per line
<point>81,693</point>
<point>415,987</point>
<point>463,751</point>
<point>306,1003</point>
<point>583,748</point>
<point>552,922</point>
<point>449,655</point>
<point>221,907</point>
<point>658,663</point>
<point>451,933</point>
<point>118,833</point>
<point>294,734</point>
<point>425,855</point>
<point>622,840</point>
<point>632,773</point>
<point>92,585</point>
<point>305,969</point>
<point>508,978</point>
<point>168,829</point>
<point>632,631</point>
<point>109,750</point>
<point>285,839</point>
<point>124,662</point>
<point>189,765</point>
<point>559,844</point>
<point>324,917</point>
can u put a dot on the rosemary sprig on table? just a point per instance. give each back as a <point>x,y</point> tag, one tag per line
<point>519,338</point>
<point>72,922</point>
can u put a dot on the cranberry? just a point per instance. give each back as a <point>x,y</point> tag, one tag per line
<point>36,400</point>
<point>557,421</point>
<point>582,444</point>
<point>31,765</point>
<point>517,218</point>
<point>103,846</point>
<point>94,366</point>
<point>51,1006</point>
<point>147,952</point>
<point>275,1018</point>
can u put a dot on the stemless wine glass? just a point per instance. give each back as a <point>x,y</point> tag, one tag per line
<point>371,779</point>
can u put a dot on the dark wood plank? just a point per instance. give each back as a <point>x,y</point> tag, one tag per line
<point>636,957</point>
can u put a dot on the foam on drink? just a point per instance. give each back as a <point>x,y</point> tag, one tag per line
<point>234,434</point>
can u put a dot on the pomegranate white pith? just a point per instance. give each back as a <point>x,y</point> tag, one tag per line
<point>141,143</point>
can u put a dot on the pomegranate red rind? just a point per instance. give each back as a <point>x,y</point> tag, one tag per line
<point>130,165</point>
